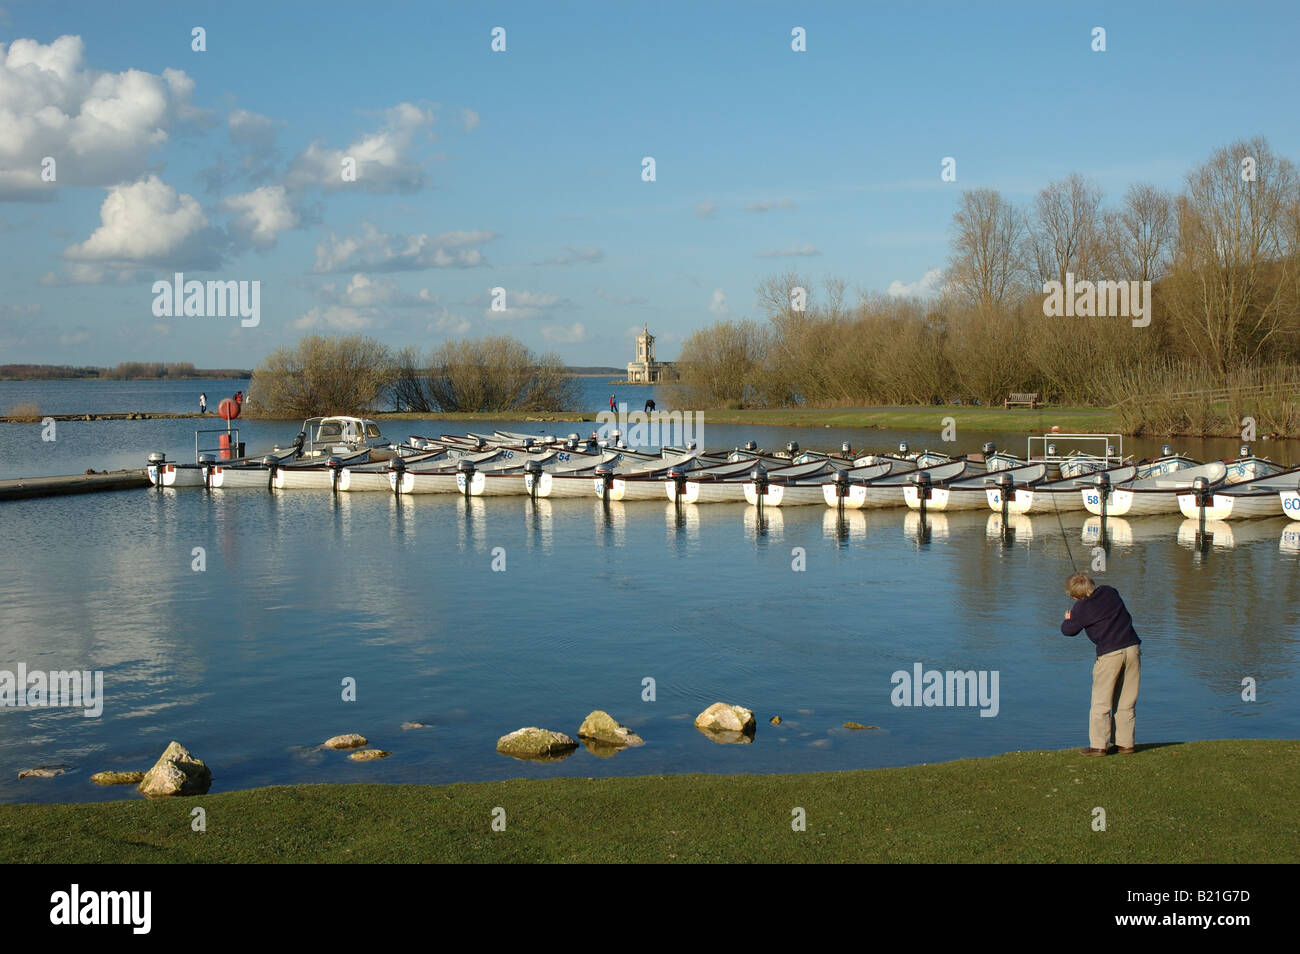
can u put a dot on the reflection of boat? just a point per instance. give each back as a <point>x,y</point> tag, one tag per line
<point>768,522</point>
<point>838,523</point>
<point>1149,495</point>
<point>971,493</point>
<point>1289,542</point>
<point>1223,535</point>
<point>1127,532</point>
<point>1057,495</point>
<point>1021,526</point>
<point>933,525</point>
<point>1261,497</point>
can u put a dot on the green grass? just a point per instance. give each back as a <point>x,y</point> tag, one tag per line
<point>1036,421</point>
<point>1226,801</point>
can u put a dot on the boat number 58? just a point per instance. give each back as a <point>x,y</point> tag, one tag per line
<point>1092,499</point>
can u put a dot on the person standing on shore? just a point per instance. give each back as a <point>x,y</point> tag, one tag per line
<point>1115,675</point>
<point>203,403</point>
<point>611,404</point>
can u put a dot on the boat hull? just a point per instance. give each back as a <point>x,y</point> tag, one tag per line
<point>1232,506</point>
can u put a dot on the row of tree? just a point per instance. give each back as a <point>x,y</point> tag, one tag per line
<point>1223,257</point>
<point>355,374</point>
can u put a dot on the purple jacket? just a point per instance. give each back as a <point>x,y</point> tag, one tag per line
<point>1105,618</point>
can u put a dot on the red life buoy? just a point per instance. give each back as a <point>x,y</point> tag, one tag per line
<point>228,410</point>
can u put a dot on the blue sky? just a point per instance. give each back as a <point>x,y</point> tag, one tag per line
<point>522,169</point>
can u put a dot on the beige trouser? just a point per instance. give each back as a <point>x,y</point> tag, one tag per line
<point>1115,678</point>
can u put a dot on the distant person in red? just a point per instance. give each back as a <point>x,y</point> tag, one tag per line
<point>611,403</point>
<point>239,399</point>
<point>1115,675</point>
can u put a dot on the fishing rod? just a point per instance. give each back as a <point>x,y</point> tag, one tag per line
<point>1061,523</point>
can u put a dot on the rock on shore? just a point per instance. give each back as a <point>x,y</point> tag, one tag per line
<point>726,724</point>
<point>600,726</point>
<point>117,778</point>
<point>534,743</point>
<point>176,772</point>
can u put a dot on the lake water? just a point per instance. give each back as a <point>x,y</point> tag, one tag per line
<point>243,662</point>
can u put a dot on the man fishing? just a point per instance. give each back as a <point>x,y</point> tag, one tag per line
<point>1115,675</point>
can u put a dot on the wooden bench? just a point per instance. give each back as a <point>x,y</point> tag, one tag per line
<point>1031,400</point>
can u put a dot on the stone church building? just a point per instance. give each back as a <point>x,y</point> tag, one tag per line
<point>645,369</point>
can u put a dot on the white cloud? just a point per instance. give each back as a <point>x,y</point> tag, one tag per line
<point>336,318</point>
<point>383,159</point>
<point>795,250</point>
<point>522,305</point>
<point>705,210</point>
<point>253,130</point>
<point>378,251</point>
<point>99,127</point>
<point>262,214</point>
<point>150,223</point>
<point>362,291</point>
<point>927,286</point>
<point>768,205</point>
<point>562,334</point>
<point>469,119</point>
<point>574,256</point>
<point>718,303</point>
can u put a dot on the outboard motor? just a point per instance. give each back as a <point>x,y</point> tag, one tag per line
<point>335,464</point>
<point>759,476</point>
<point>750,446</point>
<point>1166,450</point>
<point>396,471</point>
<point>841,479</point>
<point>846,449</point>
<point>466,470</point>
<point>1007,488</point>
<point>678,476</point>
<point>206,463</point>
<point>532,476</point>
<point>298,443</point>
<point>792,448</point>
<point>1201,488</point>
<point>570,444</point>
<point>1110,450</point>
<point>1102,481</point>
<point>605,474</point>
<point>1243,451</point>
<point>528,443</point>
<point>989,449</point>
<point>903,448</point>
<point>1051,450</point>
<point>924,488</point>
<point>271,464</point>
<point>156,461</point>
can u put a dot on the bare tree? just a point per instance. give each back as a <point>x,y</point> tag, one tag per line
<point>986,267</point>
<point>1142,234</point>
<point>1066,233</point>
<point>1233,286</point>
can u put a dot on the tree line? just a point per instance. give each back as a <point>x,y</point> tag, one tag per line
<point>356,374</point>
<point>1221,256</point>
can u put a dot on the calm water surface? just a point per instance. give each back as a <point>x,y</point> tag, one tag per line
<point>243,662</point>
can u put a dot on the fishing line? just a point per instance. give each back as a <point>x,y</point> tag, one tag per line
<point>1061,523</point>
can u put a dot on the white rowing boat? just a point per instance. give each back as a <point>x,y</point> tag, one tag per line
<point>794,492</point>
<point>1149,495</point>
<point>971,493</point>
<point>1262,497</point>
<point>887,491</point>
<point>1056,496</point>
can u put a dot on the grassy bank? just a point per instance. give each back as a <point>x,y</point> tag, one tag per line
<point>1226,801</point>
